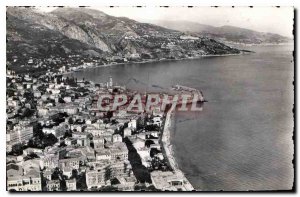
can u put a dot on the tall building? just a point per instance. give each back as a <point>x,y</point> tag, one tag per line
<point>119,151</point>
<point>17,181</point>
<point>96,178</point>
<point>20,134</point>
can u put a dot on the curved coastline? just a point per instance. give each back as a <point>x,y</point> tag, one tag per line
<point>165,138</point>
<point>168,149</point>
<point>158,60</point>
<point>166,135</point>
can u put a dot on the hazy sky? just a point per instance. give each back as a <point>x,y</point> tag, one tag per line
<point>264,19</point>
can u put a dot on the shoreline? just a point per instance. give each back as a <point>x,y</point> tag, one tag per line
<point>166,135</point>
<point>168,149</point>
<point>154,61</point>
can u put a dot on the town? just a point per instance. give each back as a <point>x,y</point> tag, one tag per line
<point>58,140</point>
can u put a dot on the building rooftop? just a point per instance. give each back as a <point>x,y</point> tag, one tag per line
<point>71,181</point>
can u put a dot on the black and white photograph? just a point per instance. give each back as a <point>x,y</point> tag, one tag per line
<point>150,98</point>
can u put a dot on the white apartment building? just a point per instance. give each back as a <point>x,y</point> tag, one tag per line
<point>29,182</point>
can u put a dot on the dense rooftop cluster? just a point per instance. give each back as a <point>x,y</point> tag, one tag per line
<point>58,141</point>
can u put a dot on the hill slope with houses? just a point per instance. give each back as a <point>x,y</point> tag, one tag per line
<point>67,32</point>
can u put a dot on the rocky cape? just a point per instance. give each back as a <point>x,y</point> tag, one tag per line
<point>226,34</point>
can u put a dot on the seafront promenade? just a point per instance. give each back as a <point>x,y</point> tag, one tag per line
<point>170,154</point>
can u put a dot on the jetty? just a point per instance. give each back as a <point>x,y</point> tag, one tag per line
<point>181,88</point>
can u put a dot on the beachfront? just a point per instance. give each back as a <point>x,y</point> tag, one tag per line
<point>187,186</point>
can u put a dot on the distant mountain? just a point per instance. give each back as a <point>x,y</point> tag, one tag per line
<point>65,31</point>
<point>225,33</point>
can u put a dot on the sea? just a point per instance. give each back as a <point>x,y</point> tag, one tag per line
<point>242,139</point>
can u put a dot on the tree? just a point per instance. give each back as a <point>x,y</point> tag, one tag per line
<point>38,131</point>
<point>92,144</point>
<point>140,123</point>
<point>59,118</point>
<point>115,181</point>
<point>81,182</point>
<point>28,96</point>
<point>74,174</point>
<point>107,174</point>
<point>63,185</point>
<point>56,174</point>
<point>68,134</point>
<point>17,149</point>
<point>148,143</point>
<point>140,171</point>
<point>152,188</point>
<point>109,114</point>
<point>49,140</point>
<point>152,128</point>
<point>60,100</point>
<point>27,113</point>
<point>62,144</point>
<point>71,120</point>
<point>108,188</point>
<point>154,152</point>
<point>31,156</point>
<point>44,183</point>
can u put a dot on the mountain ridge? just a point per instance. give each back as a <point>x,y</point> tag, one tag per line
<point>82,31</point>
<point>225,33</point>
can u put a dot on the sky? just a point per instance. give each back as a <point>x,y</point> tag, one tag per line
<point>262,19</point>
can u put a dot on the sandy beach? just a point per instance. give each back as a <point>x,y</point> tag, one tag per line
<point>170,154</point>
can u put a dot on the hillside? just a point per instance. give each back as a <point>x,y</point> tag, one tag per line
<point>225,33</point>
<point>81,31</point>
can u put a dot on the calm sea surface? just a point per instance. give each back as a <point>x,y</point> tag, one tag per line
<point>242,140</point>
